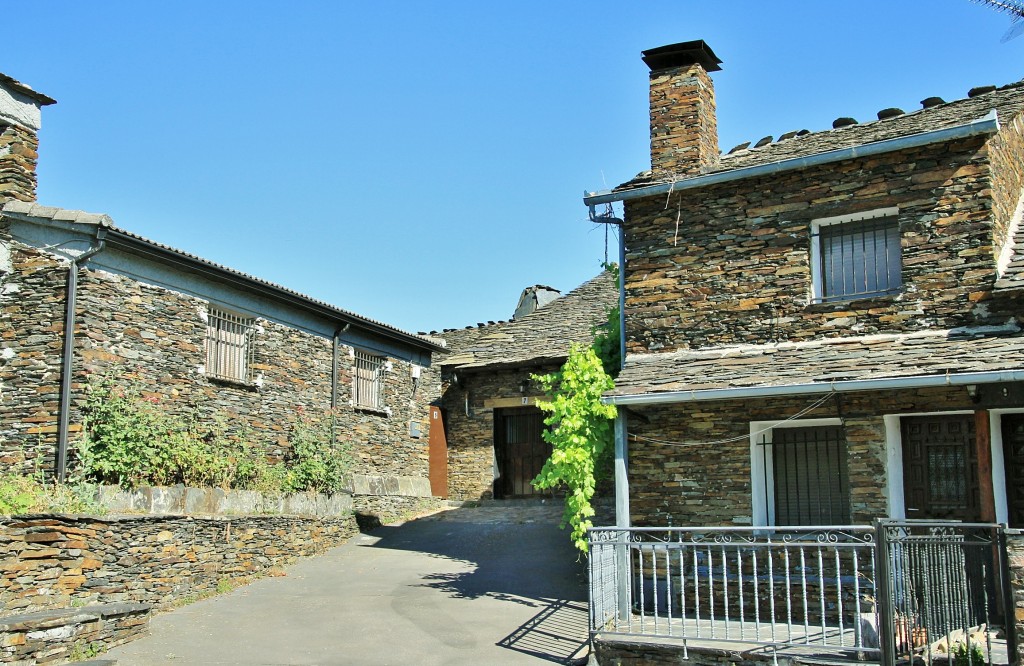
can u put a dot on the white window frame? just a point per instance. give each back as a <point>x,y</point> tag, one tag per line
<point>816,251</point>
<point>361,362</point>
<point>236,364</point>
<point>762,465</point>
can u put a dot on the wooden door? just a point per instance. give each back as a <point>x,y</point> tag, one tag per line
<point>438,454</point>
<point>1013,461</point>
<point>940,468</point>
<point>520,449</point>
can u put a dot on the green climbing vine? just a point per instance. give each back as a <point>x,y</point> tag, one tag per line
<point>579,425</point>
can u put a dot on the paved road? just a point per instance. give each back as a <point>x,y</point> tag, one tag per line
<point>499,584</point>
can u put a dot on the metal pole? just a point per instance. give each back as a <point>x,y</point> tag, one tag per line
<point>883,596</point>
<point>622,294</point>
<point>622,516</point>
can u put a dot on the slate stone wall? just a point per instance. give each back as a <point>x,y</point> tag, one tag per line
<point>609,652</point>
<point>471,437</point>
<point>53,561</point>
<point>155,337</point>
<point>1007,155</point>
<point>736,267</point>
<point>19,151</point>
<point>698,473</point>
<point>32,289</point>
<point>684,127</point>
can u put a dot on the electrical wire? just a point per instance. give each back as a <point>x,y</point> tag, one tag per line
<point>806,410</point>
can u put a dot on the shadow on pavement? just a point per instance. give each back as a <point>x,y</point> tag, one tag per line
<point>558,634</point>
<point>521,557</point>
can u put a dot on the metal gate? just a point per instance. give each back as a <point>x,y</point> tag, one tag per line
<point>944,583</point>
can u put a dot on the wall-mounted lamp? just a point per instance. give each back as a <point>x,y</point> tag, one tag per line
<point>972,392</point>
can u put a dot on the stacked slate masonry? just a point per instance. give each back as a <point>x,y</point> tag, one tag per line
<point>196,337</point>
<point>723,278</point>
<point>489,398</point>
<point>821,330</point>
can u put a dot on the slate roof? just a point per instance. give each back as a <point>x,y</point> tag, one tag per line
<point>544,335</point>
<point>934,353</point>
<point>130,240</point>
<point>1008,101</point>
<point>1013,276</point>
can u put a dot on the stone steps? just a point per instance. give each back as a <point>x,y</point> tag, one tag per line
<point>58,635</point>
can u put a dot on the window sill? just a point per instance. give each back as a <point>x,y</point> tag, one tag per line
<point>855,303</point>
<point>234,383</point>
<point>372,410</point>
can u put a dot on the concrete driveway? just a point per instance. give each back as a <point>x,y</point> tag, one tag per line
<point>498,584</point>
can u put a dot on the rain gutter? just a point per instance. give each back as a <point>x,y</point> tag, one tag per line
<point>61,462</point>
<point>841,386</point>
<point>987,125</point>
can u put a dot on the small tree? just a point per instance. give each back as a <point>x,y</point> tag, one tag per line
<point>580,431</point>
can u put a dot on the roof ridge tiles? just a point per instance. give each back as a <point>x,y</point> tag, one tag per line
<point>765,145</point>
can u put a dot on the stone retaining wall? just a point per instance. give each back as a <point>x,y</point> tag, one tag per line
<point>215,501</point>
<point>71,633</point>
<point>56,561</point>
<point>630,653</point>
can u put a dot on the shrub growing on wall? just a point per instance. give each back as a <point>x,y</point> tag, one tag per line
<point>131,440</point>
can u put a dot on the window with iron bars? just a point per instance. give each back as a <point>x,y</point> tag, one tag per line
<point>858,256</point>
<point>368,381</point>
<point>229,346</point>
<point>806,476</point>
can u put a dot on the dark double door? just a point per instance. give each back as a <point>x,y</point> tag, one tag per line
<point>520,451</point>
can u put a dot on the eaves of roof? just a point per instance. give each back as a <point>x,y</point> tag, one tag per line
<point>135,244</point>
<point>44,100</point>
<point>878,362</point>
<point>987,125</point>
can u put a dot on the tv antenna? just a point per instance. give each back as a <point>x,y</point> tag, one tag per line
<point>1015,8</point>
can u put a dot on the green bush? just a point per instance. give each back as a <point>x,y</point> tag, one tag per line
<point>130,441</point>
<point>20,493</point>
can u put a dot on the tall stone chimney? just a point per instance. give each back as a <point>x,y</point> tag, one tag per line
<point>684,130</point>
<point>20,119</point>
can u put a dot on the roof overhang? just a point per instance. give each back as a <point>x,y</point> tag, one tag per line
<point>840,386</point>
<point>987,125</point>
<point>137,245</point>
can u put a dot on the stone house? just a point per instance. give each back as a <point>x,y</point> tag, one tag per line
<point>492,425</point>
<point>191,334</point>
<point>825,328</point>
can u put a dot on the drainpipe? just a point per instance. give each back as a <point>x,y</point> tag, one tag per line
<point>61,462</point>
<point>622,295</point>
<point>334,375</point>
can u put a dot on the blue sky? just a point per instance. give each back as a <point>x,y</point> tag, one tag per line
<point>421,163</point>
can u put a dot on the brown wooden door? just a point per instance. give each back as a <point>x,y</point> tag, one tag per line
<point>940,468</point>
<point>438,454</point>
<point>520,449</point>
<point>1013,461</point>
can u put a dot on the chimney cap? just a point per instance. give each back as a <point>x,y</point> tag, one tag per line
<point>681,55</point>
<point>18,86</point>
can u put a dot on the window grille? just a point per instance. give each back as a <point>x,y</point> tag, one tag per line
<point>368,381</point>
<point>229,346</point>
<point>859,259</point>
<point>809,476</point>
